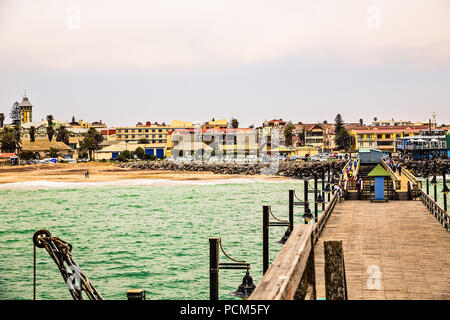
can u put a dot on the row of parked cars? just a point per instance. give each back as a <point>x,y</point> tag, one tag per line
<point>51,160</point>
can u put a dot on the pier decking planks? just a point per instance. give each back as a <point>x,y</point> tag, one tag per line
<point>401,238</point>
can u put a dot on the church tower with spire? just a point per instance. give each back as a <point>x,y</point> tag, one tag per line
<point>26,110</point>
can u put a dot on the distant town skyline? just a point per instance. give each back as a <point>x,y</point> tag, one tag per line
<point>137,61</point>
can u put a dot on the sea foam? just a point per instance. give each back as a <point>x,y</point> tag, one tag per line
<point>44,184</point>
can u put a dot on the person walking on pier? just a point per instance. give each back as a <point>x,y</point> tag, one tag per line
<point>358,183</point>
<point>399,167</point>
<point>86,174</point>
<point>339,191</point>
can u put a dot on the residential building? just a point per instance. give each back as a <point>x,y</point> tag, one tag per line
<point>311,135</point>
<point>154,133</point>
<point>111,152</point>
<point>216,124</point>
<point>382,138</point>
<point>400,123</point>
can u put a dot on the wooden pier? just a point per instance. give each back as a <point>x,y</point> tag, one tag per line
<point>392,250</point>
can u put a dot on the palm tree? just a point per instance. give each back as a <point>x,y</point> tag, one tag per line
<point>50,130</point>
<point>8,140</point>
<point>62,134</point>
<point>53,153</point>
<point>2,119</point>
<point>91,142</point>
<point>32,133</point>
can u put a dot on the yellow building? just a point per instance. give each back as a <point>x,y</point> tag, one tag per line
<point>154,133</point>
<point>216,124</point>
<point>176,124</point>
<point>380,138</point>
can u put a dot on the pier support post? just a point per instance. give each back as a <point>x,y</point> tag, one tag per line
<point>329,181</point>
<point>316,205</point>
<point>291,209</point>
<point>214,268</point>
<point>265,238</point>
<point>34,272</point>
<point>444,185</point>
<point>306,196</point>
<point>435,191</point>
<point>335,281</point>
<point>323,188</point>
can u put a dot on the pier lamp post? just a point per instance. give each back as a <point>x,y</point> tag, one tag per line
<point>307,216</point>
<point>434,184</point>
<point>266,225</point>
<point>428,186</point>
<point>244,290</point>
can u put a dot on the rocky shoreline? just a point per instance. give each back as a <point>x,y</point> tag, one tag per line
<point>426,168</point>
<point>293,169</point>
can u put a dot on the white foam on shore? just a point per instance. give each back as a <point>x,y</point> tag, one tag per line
<point>44,184</point>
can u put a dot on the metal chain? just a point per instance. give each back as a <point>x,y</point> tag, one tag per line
<point>60,252</point>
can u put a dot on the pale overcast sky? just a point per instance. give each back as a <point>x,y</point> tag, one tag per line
<point>127,61</point>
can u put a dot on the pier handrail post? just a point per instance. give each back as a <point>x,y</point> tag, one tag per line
<point>291,209</point>
<point>435,191</point>
<point>335,280</point>
<point>329,181</point>
<point>306,195</point>
<point>316,205</point>
<point>214,268</point>
<point>265,238</point>
<point>323,188</point>
<point>444,184</point>
<point>34,272</point>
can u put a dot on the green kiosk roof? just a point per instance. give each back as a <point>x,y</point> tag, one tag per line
<point>378,171</point>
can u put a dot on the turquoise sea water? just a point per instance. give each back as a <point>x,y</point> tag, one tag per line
<point>152,237</point>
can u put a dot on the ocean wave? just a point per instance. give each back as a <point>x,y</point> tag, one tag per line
<point>44,184</point>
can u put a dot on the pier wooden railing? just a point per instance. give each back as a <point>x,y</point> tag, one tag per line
<point>414,185</point>
<point>323,218</point>
<point>397,181</point>
<point>435,209</point>
<point>292,275</point>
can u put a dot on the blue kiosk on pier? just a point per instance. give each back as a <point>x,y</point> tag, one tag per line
<point>379,175</point>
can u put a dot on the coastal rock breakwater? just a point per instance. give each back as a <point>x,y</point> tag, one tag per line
<point>283,168</point>
<point>426,168</point>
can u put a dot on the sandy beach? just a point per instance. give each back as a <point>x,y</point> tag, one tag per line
<point>104,172</point>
